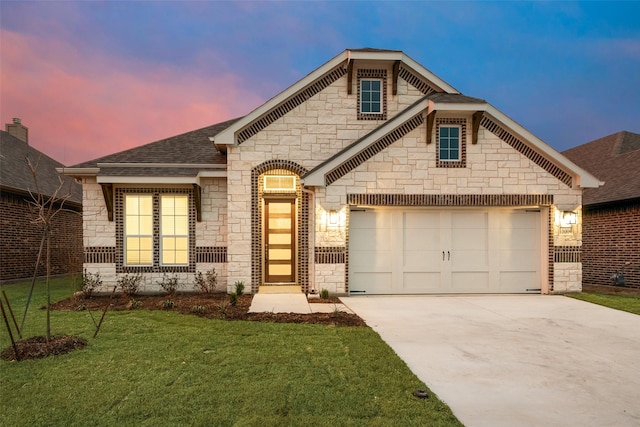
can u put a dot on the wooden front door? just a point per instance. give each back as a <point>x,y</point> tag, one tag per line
<point>279,240</point>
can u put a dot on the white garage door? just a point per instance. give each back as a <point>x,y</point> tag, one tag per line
<point>444,251</point>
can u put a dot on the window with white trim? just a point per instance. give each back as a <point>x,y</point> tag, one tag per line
<point>370,96</point>
<point>174,230</point>
<point>449,144</point>
<point>138,229</point>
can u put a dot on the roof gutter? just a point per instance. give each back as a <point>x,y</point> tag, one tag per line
<point>78,172</point>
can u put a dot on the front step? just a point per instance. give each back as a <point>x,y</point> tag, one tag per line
<point>280,289</point>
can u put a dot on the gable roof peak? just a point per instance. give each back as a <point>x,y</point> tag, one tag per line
<point>314,82</point>
<point>372,49</point>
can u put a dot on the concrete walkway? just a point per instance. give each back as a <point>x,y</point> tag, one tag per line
<point>290,303</point>
<point>527,360</point>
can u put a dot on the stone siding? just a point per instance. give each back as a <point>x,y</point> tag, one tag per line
<point>306,136</point>
<point>328,122</point>
<point>101,247</point>
<point>567,277</point>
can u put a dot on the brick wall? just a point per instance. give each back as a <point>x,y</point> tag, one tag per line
<point>611,237</point>
<point>20,240</point>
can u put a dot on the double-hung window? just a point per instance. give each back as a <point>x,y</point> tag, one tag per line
<point>370,96</point>
<point>174,229</point>
<point>156,230</point>
<point>449,144</point>
<point>138,228</point>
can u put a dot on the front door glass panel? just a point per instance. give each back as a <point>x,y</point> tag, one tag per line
<point>279,249</point>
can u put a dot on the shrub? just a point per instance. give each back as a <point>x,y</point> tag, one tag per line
<point>233,298</point>
<point>130,284</point>
<point>168,304</point>
<point>169,284</point>
<point>207,283</point>
<point>324,294</point>
<point>239,287</point>
<point>222,307</point>
<point>133,304</point>
<point>90,282</point>
<point>198,309</point>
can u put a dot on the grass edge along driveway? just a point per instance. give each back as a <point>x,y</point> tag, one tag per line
<point>162,368</point>
<point>624,302</point>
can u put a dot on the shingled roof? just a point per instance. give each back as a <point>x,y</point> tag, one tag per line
<point>191,147</point>
<point>614,159</point>
<point>16,177</point>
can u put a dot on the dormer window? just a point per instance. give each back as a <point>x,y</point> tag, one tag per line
<point>451,142</point>
<point>372,94</point>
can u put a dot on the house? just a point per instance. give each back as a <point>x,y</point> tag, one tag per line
<point>369,175</point>
<point>611,213</point>
<point>20,237</point>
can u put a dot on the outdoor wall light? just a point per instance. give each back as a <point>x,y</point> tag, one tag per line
<point>333,218</point>
<point>569,218</point>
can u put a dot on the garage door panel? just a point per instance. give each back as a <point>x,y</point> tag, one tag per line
<point>421,220</point>
<point>469,260</point>
<point>421,282</point>
<point>471,282</point>
<point>370,220</point>
<point>519,219</point>
<point>518,281</point>
<point>519,260</point>
<point>366,239</point>
<point>489,250</point>
<point>421,239</point>
<point>371,261</point>
<point>372,282</point>
<point>469,220</point>
<point>469,239</point>
<point>422,261</point>
<point>518,238</point>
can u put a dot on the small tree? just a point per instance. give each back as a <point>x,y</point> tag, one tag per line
<point>46,208</point>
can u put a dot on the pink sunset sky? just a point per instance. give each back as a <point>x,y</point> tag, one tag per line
<point>92,78</point>
<point>79,107</point>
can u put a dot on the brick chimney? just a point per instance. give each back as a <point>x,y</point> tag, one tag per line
<point>18,130</point>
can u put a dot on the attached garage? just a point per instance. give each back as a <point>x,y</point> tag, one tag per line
<point>466,250</point>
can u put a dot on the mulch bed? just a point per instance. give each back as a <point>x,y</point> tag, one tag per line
<point>39,347</point>
<point>211,306</point>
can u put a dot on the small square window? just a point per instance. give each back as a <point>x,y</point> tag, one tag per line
<point>449,144</point>
<point>370,96</point>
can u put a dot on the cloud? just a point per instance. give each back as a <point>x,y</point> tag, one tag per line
<point>79,106</point>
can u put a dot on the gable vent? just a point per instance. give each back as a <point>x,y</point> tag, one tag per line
<point>291,103</point>
<point>416,81</point>
<point>527,151</point>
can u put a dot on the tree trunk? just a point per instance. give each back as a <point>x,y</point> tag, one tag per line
<point>48,277</point>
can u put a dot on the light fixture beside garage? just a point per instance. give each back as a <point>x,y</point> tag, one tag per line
<point>566,220</point>
<point>333,218</point>
<point>569,218</point>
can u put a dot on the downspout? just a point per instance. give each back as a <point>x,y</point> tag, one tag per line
<point>312,240</point>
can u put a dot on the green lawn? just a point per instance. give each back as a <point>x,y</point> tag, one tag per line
<point>630,303</point>
<point>161,368</point>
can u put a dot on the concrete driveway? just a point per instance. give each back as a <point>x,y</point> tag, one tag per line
<point>529,360</point>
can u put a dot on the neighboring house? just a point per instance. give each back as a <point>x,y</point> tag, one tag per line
<point>20,237</point>
<point>611,224</point>
<point>370,174</point>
